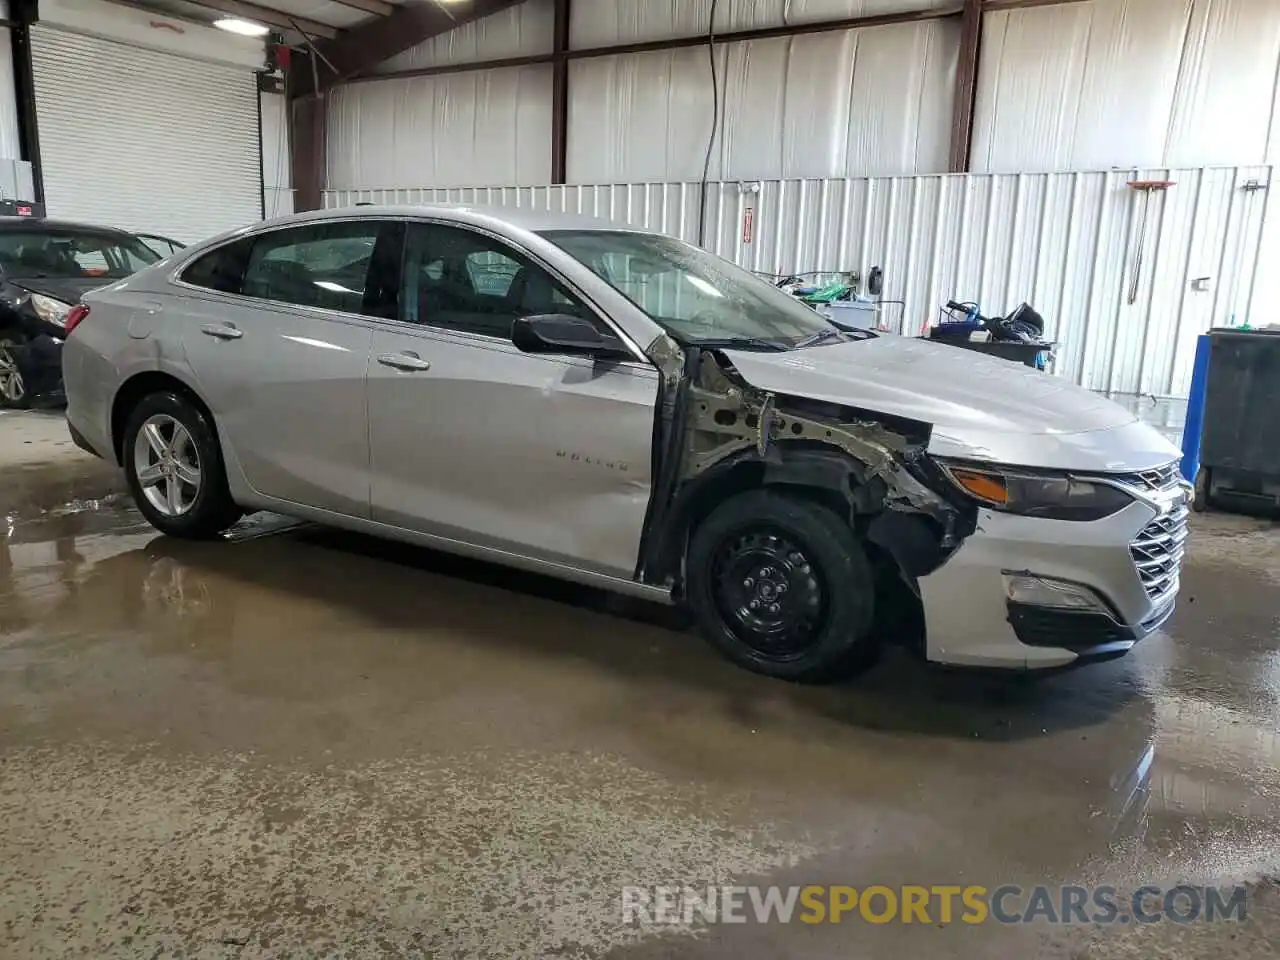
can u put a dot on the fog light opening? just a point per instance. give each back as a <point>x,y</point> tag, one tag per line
<point>1056,594</point>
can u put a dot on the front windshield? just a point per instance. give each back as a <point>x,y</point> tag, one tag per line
<point>72,254</point>
<point>694,295</point>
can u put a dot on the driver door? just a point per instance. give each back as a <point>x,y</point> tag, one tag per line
<point>544,456</point>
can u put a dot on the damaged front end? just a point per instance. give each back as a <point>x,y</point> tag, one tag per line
<point>718,436</point>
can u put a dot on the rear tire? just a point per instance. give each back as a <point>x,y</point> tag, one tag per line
<point>14,394</point>
<point>782,586</point>
<point>173,464</point>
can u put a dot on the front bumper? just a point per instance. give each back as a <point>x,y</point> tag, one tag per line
<point>970,619</point>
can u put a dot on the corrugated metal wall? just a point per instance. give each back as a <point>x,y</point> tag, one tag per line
<point>483,126</point>
<point>1103,83</point>
<point>874,101</point>
<point>1087,85</point>
<point>519,31</point>
<point>1065,242</point>
<point>606,22</point>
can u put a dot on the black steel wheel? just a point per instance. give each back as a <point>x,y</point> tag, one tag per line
<point>781,585</point>
<point>767,589</point>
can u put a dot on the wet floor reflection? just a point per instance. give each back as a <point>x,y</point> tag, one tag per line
<point>289,640</point>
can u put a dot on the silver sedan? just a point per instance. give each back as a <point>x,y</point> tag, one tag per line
<point>622,409</point>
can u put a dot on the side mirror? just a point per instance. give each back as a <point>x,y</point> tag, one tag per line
<point>562,333</point>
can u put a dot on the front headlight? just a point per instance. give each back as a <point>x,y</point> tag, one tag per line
<point>50,310</point>
<point>1053,497</point>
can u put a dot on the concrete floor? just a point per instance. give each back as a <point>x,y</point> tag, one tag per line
<point>299,743</point>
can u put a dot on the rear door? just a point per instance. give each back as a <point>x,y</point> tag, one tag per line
<point>277,333</point>
<point>471,439</point>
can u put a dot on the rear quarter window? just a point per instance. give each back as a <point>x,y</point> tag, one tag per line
<point>221,269</point>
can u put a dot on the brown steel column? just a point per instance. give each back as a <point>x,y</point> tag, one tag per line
<point>24,13</point>
<point>966,88</point>
<point>560,93</point>
<point>308,122</point>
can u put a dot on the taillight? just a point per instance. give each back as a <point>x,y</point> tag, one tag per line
<point>74,316</point>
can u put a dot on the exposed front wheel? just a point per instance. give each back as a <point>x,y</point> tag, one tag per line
<point>782,586</point>
<point>13,388</point>
<point>174,468</point>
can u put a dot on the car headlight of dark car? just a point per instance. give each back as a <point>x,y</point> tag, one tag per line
<point>1046,495</point>
<point>50,310</point>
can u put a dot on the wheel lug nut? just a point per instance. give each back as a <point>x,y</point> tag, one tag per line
<point>773,608</point>
<point>782,587</point>
<point>753,605</point>
<point>748,582</point>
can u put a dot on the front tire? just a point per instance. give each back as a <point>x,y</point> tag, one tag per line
<point>14,394</point>
<point>174,468</point>
<point>782,586</point>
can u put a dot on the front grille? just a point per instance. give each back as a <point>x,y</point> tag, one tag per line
<point>1157,552</point>
<point>1158,478</point>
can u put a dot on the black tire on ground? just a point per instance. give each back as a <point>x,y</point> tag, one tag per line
<point>212,510</point>
<point>1200,500</point>
<point>6,402</point>
<point>817,546</point>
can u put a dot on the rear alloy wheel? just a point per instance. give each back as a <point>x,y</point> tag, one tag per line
<point>782,586</point>
<point>174,467</point>
<point>13,389</point>
<point>167,465</point>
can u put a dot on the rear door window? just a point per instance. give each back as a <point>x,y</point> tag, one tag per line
<point>350,267</point>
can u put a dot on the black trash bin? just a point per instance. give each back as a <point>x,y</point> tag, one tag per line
<point>1240,441</point>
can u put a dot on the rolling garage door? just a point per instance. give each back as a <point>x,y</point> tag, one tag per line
<point>148,141</point>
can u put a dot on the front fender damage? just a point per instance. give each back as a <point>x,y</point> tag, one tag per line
<point>724,434</point>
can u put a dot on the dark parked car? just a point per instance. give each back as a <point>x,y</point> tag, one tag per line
<point>46,266</point>
<point>165,246</point>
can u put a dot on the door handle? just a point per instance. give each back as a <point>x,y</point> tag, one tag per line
<point>404,361</point>
<point>222,331</point>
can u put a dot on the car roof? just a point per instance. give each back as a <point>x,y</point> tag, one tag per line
<point>37,224</point>
<point>524,218</point>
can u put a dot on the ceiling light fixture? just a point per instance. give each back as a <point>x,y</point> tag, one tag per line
<point>246,28</point>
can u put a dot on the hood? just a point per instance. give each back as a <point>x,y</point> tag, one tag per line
<point>980,407</point>
<point>67,289</point>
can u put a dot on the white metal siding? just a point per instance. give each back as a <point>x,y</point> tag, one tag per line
<point>1064,242</point>
<point>145,140</point>
<point>874,101</point>
<point>599,23</point>
<point>519,31</point>
<point>483,126</point>
<point>1123,83</point>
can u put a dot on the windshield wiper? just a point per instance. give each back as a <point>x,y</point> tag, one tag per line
<point>818,337</point>
<point>741,343</point>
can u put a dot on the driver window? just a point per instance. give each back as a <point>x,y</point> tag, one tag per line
<point>461,280</point>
